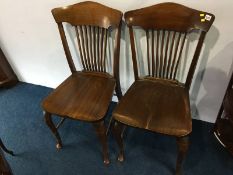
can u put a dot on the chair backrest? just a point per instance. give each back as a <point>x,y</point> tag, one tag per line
<point>166,26</point>
<point>92,22</point>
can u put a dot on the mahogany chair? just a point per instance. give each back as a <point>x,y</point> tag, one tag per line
<point>85,95</point>
<point>159,102</point>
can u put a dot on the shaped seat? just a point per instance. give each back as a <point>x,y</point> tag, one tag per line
<point>157,105</point>
<point>82,96</point>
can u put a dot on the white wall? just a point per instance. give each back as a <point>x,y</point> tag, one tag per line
<point>30,39</point>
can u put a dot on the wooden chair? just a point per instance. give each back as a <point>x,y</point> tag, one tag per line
<point>86,94</point>
<point>158,102</point>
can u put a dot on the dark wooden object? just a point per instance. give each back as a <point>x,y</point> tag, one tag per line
<point>86,94</point>
<point>223,128</point>
<point>158,102</point>
<point>7,75</point>
<point>4,166</point>
<point>2,146</point>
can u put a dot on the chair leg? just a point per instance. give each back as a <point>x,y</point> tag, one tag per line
<point>118,91</point>
<point>5,149</point>
<point>117,133</point>
<point>182,143</point>
<point>109,125</point>
<point>49,122</point>
<point>119,96</point>
<point>101,133</point>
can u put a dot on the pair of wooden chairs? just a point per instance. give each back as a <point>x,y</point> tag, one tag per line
<point>156,102</point>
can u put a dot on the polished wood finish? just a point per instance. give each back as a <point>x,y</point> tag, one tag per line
<point>4,166</point>
<point>223,128</point>
<point>88,13</point>
<point>182,144</point>
<point>49,122</point>
<point>92,59</point>
<point>101,133</point>
<point>160,24</point>
<point>156,105</point>
<point>155,17</point>
<point>7,75</point>
<point>117,133</point>
<point>158,102</point>
<point>86,94</point>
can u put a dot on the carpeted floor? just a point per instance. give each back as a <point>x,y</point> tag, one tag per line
<point>23,130</point>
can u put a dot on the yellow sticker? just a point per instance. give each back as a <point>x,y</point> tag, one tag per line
<point>202,17</point>
<point>202,20</point>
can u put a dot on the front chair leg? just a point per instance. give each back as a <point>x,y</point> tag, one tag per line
<point>182,143</point>
<point>49,122</point>
<point>117,131</point>
<point>101,133</point>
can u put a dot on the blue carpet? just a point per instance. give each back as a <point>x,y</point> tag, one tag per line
<point>23,130</point>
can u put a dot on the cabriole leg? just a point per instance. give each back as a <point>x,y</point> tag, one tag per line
<point>117,133</point>
<point>101,133</point>
<point>182,144</point>
<point>49,122</point>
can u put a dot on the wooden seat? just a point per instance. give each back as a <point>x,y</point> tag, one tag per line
<point>87,93</point>
<point>82,96</point>
<point>145,106</point>
<point>158,100</point>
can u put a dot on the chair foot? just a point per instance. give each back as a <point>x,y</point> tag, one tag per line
<point>101,133</point>
<point>49,122</point>
<point>121,157</point>
<point>106,161</point>
<point>5,149</point>
<point>117,133</point>
<point>182,143</point>
<point>58,146</point>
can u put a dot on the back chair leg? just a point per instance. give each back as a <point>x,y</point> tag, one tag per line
<point>49,122</point>
<point>109,125</point>
<point>101,133</point>
<point>118,91</point>
<point>117,133</point>
<point>119,96</point>
<point>183,144</point>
